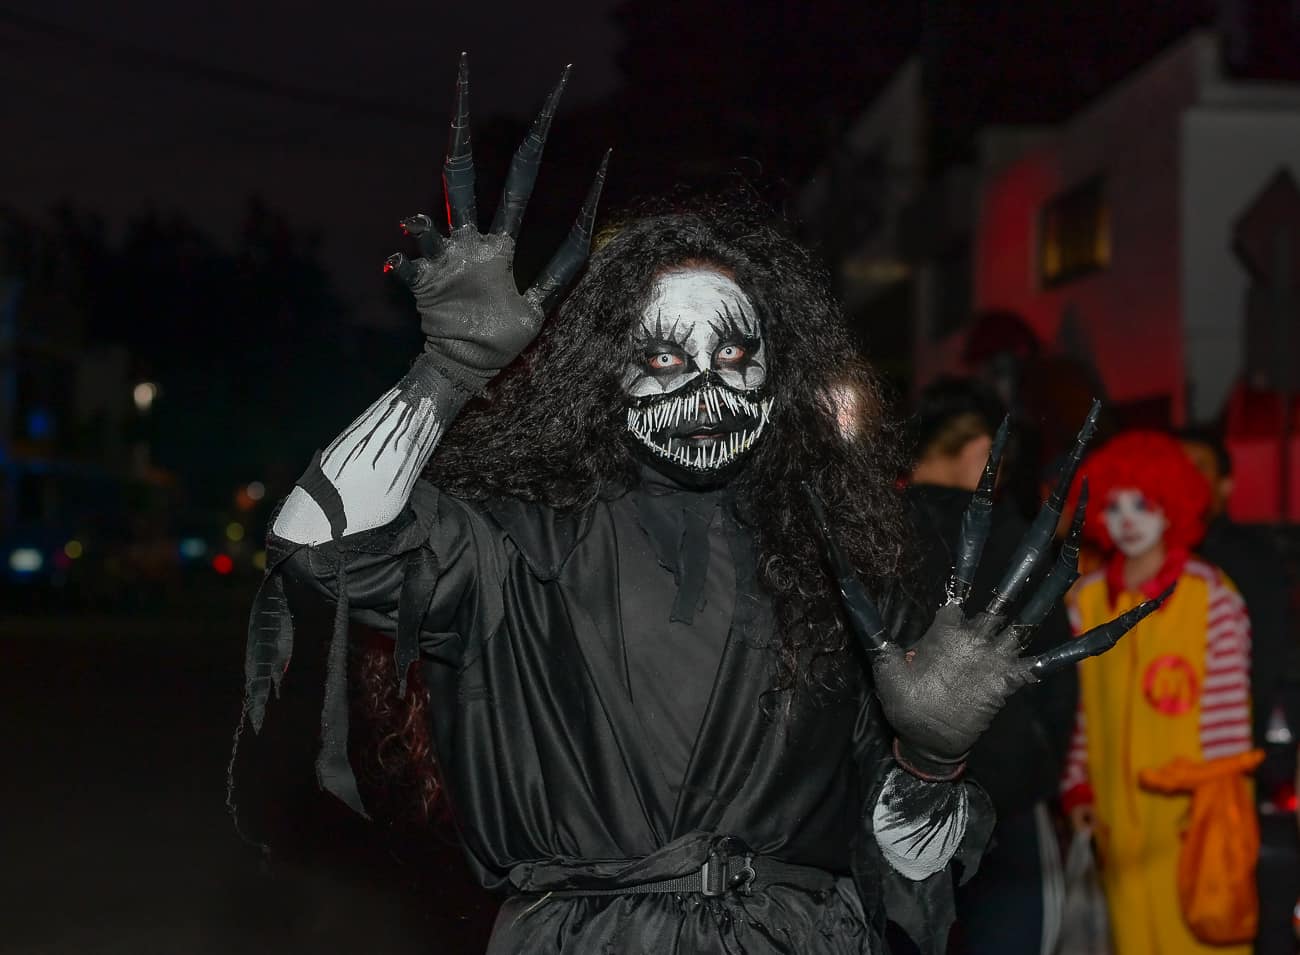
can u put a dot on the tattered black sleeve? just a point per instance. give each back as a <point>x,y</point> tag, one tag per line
<point>431,579</point>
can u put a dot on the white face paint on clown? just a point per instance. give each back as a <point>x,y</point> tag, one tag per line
<point>698,364</point>
<point>1135,523</point>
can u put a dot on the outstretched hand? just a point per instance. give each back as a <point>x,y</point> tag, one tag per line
<point>941,693</point>
<point>471,310</point>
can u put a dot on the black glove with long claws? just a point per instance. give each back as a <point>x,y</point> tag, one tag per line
<point>941,693</point>
<point>475,320</point>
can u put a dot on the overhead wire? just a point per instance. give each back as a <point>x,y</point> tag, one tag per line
<point>127,54</point>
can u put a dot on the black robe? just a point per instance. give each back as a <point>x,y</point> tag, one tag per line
<point>512,610</point>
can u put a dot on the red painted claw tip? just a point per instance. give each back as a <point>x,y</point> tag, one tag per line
<point>388,267</point>
<point>402,226</point>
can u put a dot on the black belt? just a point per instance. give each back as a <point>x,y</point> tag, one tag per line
<point>729,869</point>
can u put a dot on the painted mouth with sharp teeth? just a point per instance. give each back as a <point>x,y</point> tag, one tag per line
<point>704,430</point>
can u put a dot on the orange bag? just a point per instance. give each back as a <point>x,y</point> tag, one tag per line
<point>1216,866</point>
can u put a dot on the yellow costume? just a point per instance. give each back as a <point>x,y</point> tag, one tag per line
<point>1177,686</point>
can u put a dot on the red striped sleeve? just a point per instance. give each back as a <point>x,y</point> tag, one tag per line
<point>1225,702</point>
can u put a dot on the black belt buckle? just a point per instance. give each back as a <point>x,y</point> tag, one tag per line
<point>722,872</point>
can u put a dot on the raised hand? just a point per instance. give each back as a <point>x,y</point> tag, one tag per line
<point>471,310</point>
<point>940,694</point>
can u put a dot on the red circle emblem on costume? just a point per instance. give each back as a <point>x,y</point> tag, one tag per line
<point>1170,685</point>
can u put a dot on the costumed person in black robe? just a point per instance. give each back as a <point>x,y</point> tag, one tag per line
<point>623,561</point>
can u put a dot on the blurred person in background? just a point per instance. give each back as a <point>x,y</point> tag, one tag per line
<point>1250,557</point>
<point>1044,390</point>
<point>1177,688</point>
<point>1012,904</point>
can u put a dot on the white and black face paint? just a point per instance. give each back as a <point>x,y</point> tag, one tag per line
<point>697,372</point>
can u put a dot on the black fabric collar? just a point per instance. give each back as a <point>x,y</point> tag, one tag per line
<point>676,521</point>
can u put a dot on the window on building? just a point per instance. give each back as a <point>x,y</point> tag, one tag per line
<point>1074,234</point>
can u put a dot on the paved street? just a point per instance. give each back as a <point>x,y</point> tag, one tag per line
<point>115,835</point>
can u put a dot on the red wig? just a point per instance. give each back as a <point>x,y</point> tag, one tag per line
<point>1155,464</point>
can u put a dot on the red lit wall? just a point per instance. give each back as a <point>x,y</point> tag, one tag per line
<point>1129,313</point>
<point>1253,426</point>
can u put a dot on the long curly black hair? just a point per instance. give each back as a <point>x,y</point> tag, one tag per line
<point>553,428</point>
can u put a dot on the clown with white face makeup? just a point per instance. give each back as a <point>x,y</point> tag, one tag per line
<point>616,549</point>
<point>1136,524</point>
<point>1177,697</point>
<point>695,380</point>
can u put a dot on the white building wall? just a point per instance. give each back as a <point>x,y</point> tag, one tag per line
<point>1229,154</point>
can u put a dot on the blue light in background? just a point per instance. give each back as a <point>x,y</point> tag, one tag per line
<point>40,424</point>
<point>192,548</point>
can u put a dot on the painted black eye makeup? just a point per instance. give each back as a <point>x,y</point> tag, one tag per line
<point>662,332</point>
<point>697,322</point>
<point>732,324</point>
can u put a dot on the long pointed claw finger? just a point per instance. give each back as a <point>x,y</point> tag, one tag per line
<point>399,265</point>
<point>568,259</point>
<point>976,522</point>
<point>864,618</point>
<point>1034,545</point>
<point>1063,573</point>
<point>523,168</point>
<point>1066,478</point>
<point>1098,639</point>
<point>458,169</point>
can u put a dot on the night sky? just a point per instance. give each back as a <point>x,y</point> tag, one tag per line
<point>109,106</point>
<point>335,113</point>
